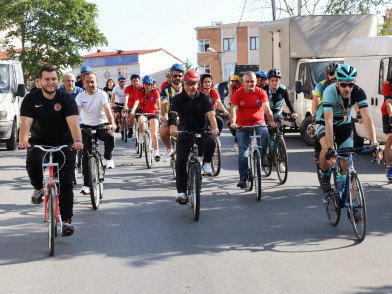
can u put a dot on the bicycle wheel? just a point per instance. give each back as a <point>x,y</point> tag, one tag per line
<point>125,129</point>
<point>332,207</point>
<point>148,149</point>
<point>270,155</point>
<point>51,209</point>
<point>281,160</point>
<point>216,158</point>
<point>94,181</point>
<point>250,174</point>
<point>257,175</point>
<point>357,207</point>
<point>194,189</point>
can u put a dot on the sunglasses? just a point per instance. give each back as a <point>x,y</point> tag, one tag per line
<point>331,74</point>
<point>122,82</point>
<point>177,76</point>
<point>345,85</point>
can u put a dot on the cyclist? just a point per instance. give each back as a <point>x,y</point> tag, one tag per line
<point>83,70</point>
<point>96,112</point>
<point>330,69</point>
<point>235,84</point>
<point>52,118</point>
<point>168,80</point>
<point>130,94</point>
<point>277,93</point>
<point>117,100</point>
<point>167,94</point>
<point>249,105</point>
<point>262,78</point>
<point>386,110</point>
<point>148,101</point>
<point>334,115</point>
<point>192,107</point>
<point>206,86</point>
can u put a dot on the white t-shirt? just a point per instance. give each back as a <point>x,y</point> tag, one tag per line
<point>118,94</point>
<point>92,107</point>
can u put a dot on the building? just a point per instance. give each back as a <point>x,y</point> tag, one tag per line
<point>110,64</point>
<point>222,46</point>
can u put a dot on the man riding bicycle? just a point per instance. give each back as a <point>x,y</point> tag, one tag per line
<point>117,100</point>
<point>192,107</point>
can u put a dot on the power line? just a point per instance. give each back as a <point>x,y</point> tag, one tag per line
<point>239,22</point>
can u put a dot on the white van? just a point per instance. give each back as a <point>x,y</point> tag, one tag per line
<point>12,91</point>
<point>373,59</point>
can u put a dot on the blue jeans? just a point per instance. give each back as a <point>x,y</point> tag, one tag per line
<point>243,137</point>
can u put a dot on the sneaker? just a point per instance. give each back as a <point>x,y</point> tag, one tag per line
<point>130,133</point>
<point>157,156</point>
<point>68,229</point>
<point>167,154</point>
<point>389,173</point>
<point>110,163</point>
<point>325,183</point>
<point>117,129</point>
<point>235,148</point>
<point>316,155</point>
<point>207,169</point>
<point>357,216</point>
<point>181,198</point>
<point>242,184</point>
<point>79,170</point>
<point>264,162</point>
<point>282,167</point>
<point>85,190</point>
<point>37,196</point>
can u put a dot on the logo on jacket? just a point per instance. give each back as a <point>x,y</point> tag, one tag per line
<point>258,102</point>
<point>57,107</point>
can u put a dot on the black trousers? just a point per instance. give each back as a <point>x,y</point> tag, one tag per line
<point>219,122</point>
<point>66,176</point>
<point>106,136</point>
<point>206,146</point>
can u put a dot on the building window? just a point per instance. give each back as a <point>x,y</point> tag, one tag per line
<point>205,68</point>
<point>228,69</point>
<point>254,43</point>
<point>123,71</point>
<point>203,45</point>
<point>228,44</point>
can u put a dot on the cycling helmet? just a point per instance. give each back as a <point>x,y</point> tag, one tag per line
<point>191,76</point>
<point>85,68</point>
<point>331,67</point>
<point>121,77</point>
<point>346,73</point>
<point>205,75</point>
<point>177,67</point>
<point>235,78</point>
<point>135,75</point>
<point>148,80</point>
<point>262,74</point>
<point>274,73</point>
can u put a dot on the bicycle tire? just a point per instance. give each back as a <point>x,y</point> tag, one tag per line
<point>51,208</point>
<point>257,176</point>
<point>148,149</point>
<point>94,181</point>
<point>125,129</point>
<point>194,189</point>
<point>270,155</point>
<point>216,161</point>
<point>357,203</point>
<point>282,161</point>
<point>332,207</point>
<point>136,138</point>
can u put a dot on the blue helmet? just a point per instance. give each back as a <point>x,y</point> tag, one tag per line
<point>346,73</point>
<point>148,80</point>
<point>135,75</point>
<point>121,77</point>
<point>177,67</point>
<point>85,68</point>
<point>262,74</point>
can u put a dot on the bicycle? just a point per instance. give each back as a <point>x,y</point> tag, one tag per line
<point>216,161</point>
<point>277,155</point>
<point>173,156</point>
<point>254,161</point>
<point>347,192</point>
<point>147,145</point>
<point>123,124</point>
<point>96,169</point>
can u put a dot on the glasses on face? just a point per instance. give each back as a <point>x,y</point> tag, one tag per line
<point>345,85</point>
<point>331,74</point>
<point>177,76</point>
<point>122,81</point>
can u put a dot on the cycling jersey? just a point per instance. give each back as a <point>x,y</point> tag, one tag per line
<point>387,92</point>
<point>167,93</point>
<point>132,92</point>
<point>319,89</point>
<point>332,101</point>
<point>275,99</point>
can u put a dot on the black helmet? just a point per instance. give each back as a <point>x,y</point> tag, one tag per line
<point>274,73</point>
<point>331,67</point>
<point>205,75</point>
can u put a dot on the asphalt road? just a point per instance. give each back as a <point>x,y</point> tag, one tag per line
<point>141,241</point>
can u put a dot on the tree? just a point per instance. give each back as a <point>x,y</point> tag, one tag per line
<point>188,65</point>
<point>354,6</point>
<point>51,32</point>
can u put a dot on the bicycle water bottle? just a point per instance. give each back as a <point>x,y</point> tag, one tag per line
<point>340,181</point>
<point>272,144</point>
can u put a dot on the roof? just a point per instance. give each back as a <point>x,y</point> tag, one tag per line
<point>231,25</point>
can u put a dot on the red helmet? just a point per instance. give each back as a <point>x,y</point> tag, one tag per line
<point>191,76</point>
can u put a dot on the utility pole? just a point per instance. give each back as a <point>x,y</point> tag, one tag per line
<point>299,7</point>
<point>273,10</point>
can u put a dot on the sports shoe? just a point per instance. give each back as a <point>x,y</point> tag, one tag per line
<point>37,196</point>
<point>282,167</point>
<point>264,162</point>
<point>242,184</point>
<point>207,169</point>
<point>167,154</point>
<point>389,173</point>
<point>117,129</point>
<point>130,133</point>
<point>316,155</point>
<point>85,190</point>
<point>325,182</point>
<point>68,229</point>
<point>110,163</point>
<point>157,156</point>
<point>181,198</point>
<point>235,148</point>
<point>79,170</point>
<point>357,216</point>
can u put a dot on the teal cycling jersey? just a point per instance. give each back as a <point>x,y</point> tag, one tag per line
<point>341,108</point>
<point>276,99</point>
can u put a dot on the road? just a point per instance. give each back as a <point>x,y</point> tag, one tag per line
<point>141,241</point>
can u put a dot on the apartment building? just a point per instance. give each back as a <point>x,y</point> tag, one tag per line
<point>222,46</point>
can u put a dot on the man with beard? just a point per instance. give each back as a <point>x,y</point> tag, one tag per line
<point>52,117</point>
<point>334,115</point>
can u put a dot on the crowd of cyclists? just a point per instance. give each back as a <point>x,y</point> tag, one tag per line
<point>186,101</point>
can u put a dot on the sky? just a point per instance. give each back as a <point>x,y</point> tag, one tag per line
<point>153,24</point>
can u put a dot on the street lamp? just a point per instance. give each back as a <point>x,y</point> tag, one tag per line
<point>217,54</point>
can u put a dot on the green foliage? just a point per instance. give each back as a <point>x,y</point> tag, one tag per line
<point>188,65</point>
<point>386,29</point>
<point>353,6</point>
<point>51,32</point>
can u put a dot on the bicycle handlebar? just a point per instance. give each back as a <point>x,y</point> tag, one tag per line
<point>48,148</point>
<point>251,127</point>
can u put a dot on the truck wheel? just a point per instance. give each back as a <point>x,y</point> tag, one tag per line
<point>11,143</point>
<point>308,131</point>
<point>358,141</point>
